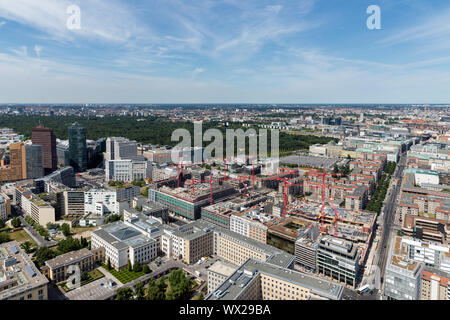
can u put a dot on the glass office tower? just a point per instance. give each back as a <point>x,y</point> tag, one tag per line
<point>77,147</point>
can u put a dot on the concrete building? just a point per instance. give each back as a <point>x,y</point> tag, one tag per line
<point>128,170</point>
<point>187,202</point>
<point>403,275</point>
<point>118,148</point>
<point>5,206</point>
<point>65,176</point>
<point>435,284</point>
<point>189,243</point>
<point>19,277</point>
<point>251,223</point>
<point>100,202</point>
<point>122,243</point>
<point>256,280</point>
<point>86,260</point>
<point>39,210</point>
<point>218,273</point>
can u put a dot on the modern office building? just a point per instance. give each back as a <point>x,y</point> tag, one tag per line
<point>45,137</point>
<point>128,170</point>
<point>100,202</point>
<point>257,280</point>
<point>338,259</point>
<point>19,277</point>
<point>77,147</point>
<point>62,152</point>
<point>65,176</point>
<point>403,275</point>
<point>118,148</point>
<point>34,161</point>
<point>188,202</point>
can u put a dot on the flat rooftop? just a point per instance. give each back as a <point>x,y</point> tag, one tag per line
<point>233,286</point>
<point>68,258</point>
<point>18,271</point>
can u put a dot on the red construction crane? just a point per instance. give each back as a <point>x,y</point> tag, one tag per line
<point>323,175</point>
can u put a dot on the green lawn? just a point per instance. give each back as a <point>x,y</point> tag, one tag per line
<point>20,236</point>
<point>124,276</point>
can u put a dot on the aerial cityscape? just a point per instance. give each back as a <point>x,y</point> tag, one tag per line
<point>232,198</point>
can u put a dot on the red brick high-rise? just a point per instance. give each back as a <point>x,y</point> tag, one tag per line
<point>45,137</point>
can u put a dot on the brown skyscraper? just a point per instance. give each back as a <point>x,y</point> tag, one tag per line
<point>17,168</point>
<point>45,137</point>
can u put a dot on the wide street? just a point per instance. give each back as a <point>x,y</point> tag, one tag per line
<point>388,218</point>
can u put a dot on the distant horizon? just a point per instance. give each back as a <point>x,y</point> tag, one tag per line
<point>123,104</point>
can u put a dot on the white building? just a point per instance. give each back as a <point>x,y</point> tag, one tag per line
<point>218,273</point>
<point>100,201</point>
<point>128,170</point>
<point>122,243</point>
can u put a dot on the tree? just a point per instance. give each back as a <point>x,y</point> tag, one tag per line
<point>129,265</point>
<point>180,285</point>
<point>68,245</point>
<point>139,291</point>
<point>156,290</point>
<point>43,254</point>
<point>137,267</point>
<point>124,294</point>
<point>4,237</point>
<point>83,242</point>
<point>108,266</point>
<point>16,223</point>
<point>146,269</point>
<point>65,228</point>
<point>2,224</point>
<point>26,246</point>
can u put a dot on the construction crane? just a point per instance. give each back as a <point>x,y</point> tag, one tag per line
<point>323,186</point>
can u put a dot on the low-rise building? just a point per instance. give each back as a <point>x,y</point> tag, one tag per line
<point>19,277</point>
<point>257,280</point>
<point>85,259</point>
<point>217,273</point>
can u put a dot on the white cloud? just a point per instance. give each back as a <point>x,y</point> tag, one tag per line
<point>37,50</point>
<point>107,20</point>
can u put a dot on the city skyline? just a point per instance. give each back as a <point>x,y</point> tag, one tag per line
<point>224,52</point>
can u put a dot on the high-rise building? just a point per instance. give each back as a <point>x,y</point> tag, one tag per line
<point>44,136</point>
<point>34,161</point>
<point>118,148</point>
<point>17,168</point>
<point>77,147</point>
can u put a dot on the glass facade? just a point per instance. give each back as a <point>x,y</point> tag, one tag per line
<point>77,147</point>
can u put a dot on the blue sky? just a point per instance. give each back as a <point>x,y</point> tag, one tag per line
<point>225,51</point>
